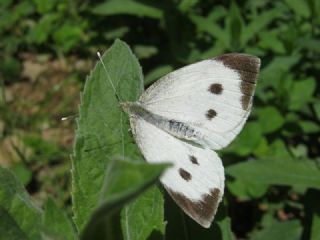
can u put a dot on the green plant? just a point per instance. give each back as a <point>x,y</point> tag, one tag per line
<point>102,182</point>
<point>272,168</point>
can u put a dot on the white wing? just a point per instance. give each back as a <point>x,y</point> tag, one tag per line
<point>195,182</point>
<point>213,96</point>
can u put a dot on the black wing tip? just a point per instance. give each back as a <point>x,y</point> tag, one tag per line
<point>202,211</point>
<point>240,61</point>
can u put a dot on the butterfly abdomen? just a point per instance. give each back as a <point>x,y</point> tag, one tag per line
<point>180,129</point>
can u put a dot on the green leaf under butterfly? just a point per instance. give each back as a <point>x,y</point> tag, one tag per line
<point>103,135</point>
<point>102,129</point>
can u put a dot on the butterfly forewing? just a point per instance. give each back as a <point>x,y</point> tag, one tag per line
<point>214,96</point>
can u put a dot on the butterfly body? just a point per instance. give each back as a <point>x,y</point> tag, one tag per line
<point>187,115</point>
<point>176,128</point>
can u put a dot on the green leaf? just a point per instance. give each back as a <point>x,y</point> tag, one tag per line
<point>270,119</point>
<point>102,128</point>
<point>270,40</point>
<point>262,149</point>
<point>57,224</point>
<point>224,224</point>
<point>289,230</point>
<point>124,182</point>
<point>68,36</point>
<point>278,149</point>
<point>148,208</point>
<point>44,6</point>
<point>41,31</point>
<point>310,44</point>
<point>41,146</point>
<point>125,176</point>
<point>10,69</point>
<point>117,32</point>
<point>9,228</point>
<point>22,173</point>
<point>138,222</point>
<point>299,151</point>
<point>316,107</point>
<point>315,229</point>
<point>235,25</point>
<point>143,51</point>
<point>5,4</point>
<point>209,25</point>
<point>278,171</point>
<point>9,18</point>
<point>103,132</point>
<point>246,190</point>
<point>272,74</point>
<point>260,22</point>
<point>309,127</point>
<point>300,8</point>
<point>247,141</point>
<point>301,93</point>
<point>129,7</point>
<point>186,5</point>
<point>16,205</point>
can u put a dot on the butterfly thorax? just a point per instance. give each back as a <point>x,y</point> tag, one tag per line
<point>171,126</point>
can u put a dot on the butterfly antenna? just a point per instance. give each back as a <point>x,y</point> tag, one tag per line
<point>66,118</point>
<point>108,76</point>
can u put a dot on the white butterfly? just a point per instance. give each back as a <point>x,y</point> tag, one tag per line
<point>186,115</point>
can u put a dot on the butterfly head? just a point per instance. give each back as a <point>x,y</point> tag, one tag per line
<point>132,108</point>
<point>128,107</point>
<point>125,106</point>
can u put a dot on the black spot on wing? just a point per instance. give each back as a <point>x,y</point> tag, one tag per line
<point>202,211</point>
<point>245,101</point>
<point>184,174</point>
<point>247,88</point>
<point>194,160</point>
<point>216,88</point>
<point>211,114</point>
<point>240,62</point>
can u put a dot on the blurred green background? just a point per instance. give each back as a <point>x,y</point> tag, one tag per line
<point>48,47</point>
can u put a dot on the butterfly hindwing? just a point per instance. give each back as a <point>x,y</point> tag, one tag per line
<point>196,180</point>
<point>214,96</point>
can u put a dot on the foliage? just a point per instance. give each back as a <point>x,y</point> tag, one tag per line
<point>272,169</point>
